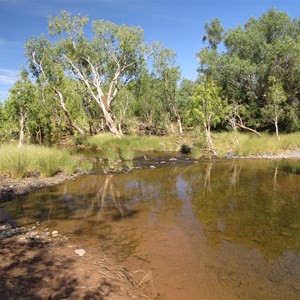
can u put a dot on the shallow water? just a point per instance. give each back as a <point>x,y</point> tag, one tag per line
<point>212,230</point>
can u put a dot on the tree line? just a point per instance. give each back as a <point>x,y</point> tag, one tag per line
<point>87,77</point>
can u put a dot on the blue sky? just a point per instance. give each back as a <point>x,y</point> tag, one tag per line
<point>178,24</point>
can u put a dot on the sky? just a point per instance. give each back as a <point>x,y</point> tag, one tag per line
<point>177,24</point>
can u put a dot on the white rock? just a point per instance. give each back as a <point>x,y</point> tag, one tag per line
<point>172,159</point>
<point>80,252</point>
<point>54,232</point>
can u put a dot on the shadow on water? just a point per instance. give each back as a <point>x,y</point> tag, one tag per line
<point>41,276</point>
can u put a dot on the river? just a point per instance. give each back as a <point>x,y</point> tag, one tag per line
<point>208,230</point>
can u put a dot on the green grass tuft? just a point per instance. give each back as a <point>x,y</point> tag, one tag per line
<point>19,162</point>
<point>114,149</point>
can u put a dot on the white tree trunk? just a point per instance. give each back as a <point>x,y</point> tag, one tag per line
<point>209,139</point>
<point>276,128</point>
<point>22,130</point>
<point>62,104</point>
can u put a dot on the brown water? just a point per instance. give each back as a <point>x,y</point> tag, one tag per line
<point>213,230</point>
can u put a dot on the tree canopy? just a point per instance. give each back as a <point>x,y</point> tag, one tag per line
<point>85,77</point>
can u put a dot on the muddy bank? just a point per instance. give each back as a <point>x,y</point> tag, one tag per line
<point>39,264</point>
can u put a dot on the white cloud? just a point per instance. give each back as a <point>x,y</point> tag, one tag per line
<point>8,76</point>
<point>4,42</point>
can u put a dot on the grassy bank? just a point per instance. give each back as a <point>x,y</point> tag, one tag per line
<point>19,162</point>
<point>251,144</point>
<point>29,159</point>
<point>113,148</point>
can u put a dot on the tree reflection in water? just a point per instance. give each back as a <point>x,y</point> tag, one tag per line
<point>255,204</point>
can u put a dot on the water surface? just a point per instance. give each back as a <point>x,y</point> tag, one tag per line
<point>212,230</point>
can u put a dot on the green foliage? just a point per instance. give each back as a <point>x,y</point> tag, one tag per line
<point>262,49</point>
<point>206,104</point>
<point>197,152</point>
<point>214,33</point>
<point>275,100</point>
<point>19,162</point>
<point>185,149</point>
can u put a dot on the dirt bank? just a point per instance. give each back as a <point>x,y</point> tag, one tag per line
<point>12,187</point>
<point>45,265</point>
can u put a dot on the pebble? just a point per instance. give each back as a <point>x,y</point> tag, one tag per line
<point>172,159</point>
<point>152,167</point>
<point>54,232</point>
<point>80,252</point>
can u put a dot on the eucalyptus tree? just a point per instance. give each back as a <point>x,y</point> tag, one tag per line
<point>46,68</point>
<point>104,63</point>
<point>207,108</point>
<point>149,106</point>
<point>167,71</point>
<point>185,91</point>
<point>21,103</point>
<point>124,110</point>
<point>275,99</point>
<point>249,56</point>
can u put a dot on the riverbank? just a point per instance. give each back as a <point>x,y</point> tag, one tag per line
<point>13,187</point>
<point>38,264</point>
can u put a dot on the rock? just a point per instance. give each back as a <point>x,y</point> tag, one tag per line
<point>22,239</point>
<point>162,162</point>
<point>54,233</point>
<point>172,159</point>
<point>152,167</point>
<point>80,252</point>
